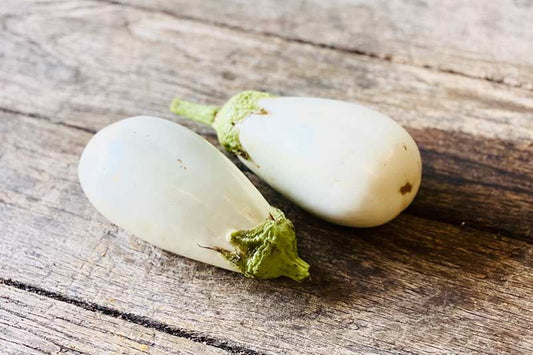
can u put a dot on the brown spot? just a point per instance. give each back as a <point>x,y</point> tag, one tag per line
<point>406,188</point>
<point>243,154</point>
<point>217,249</point>
<point>181,164</point>
<point>262,111</point>
<point>404,147</point>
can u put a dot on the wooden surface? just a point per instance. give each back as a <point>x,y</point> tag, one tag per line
<point>453,274</point>
<point>491,40</point>
<point>39,321</point>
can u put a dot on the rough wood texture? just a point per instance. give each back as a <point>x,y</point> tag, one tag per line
<point>34,324</point>
<point>478,38</point>
<point>424,283</point>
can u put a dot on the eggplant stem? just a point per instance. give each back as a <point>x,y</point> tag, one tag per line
<point>268,250</point>
<point>200,113</point>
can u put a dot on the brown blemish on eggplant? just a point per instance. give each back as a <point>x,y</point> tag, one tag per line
<point>180,162</point>
<point>406,188</point>
<point>244,155</point>
<point>217,249</point>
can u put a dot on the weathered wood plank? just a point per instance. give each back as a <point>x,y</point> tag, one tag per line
<point>413,285</point>
<point>34,324</point>
<point>485,39</point>
<point>87,64</point>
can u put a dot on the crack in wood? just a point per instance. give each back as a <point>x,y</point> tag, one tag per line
<point>465,161</point>
<point>133,318</point>
<point>461,180</point>
<point>12,341</point>
<point>47,119</point>
<point>27,114</point>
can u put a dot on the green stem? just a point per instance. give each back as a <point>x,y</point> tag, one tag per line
<point>201,113</point>
<point>228,117</point>
<point>268,250</point>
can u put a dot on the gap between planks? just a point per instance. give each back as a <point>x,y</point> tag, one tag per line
<point>47,119</point>
<point>133,318</point>
<point>353,51</point>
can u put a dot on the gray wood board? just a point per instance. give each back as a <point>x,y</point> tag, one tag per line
<point>491,40</point>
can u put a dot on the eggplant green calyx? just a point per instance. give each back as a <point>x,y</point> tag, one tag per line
<point>224,120</point>
<point>268,250</point>
<point>234,111</point>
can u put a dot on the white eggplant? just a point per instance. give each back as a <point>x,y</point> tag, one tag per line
<point>340,161</point>
<point>165,184</point>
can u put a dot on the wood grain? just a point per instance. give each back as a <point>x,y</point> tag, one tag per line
<point>491,40</point>
<point>35,324</point>
<point>87,64</point>
<point>480,182</point>
<point>414,285</point>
